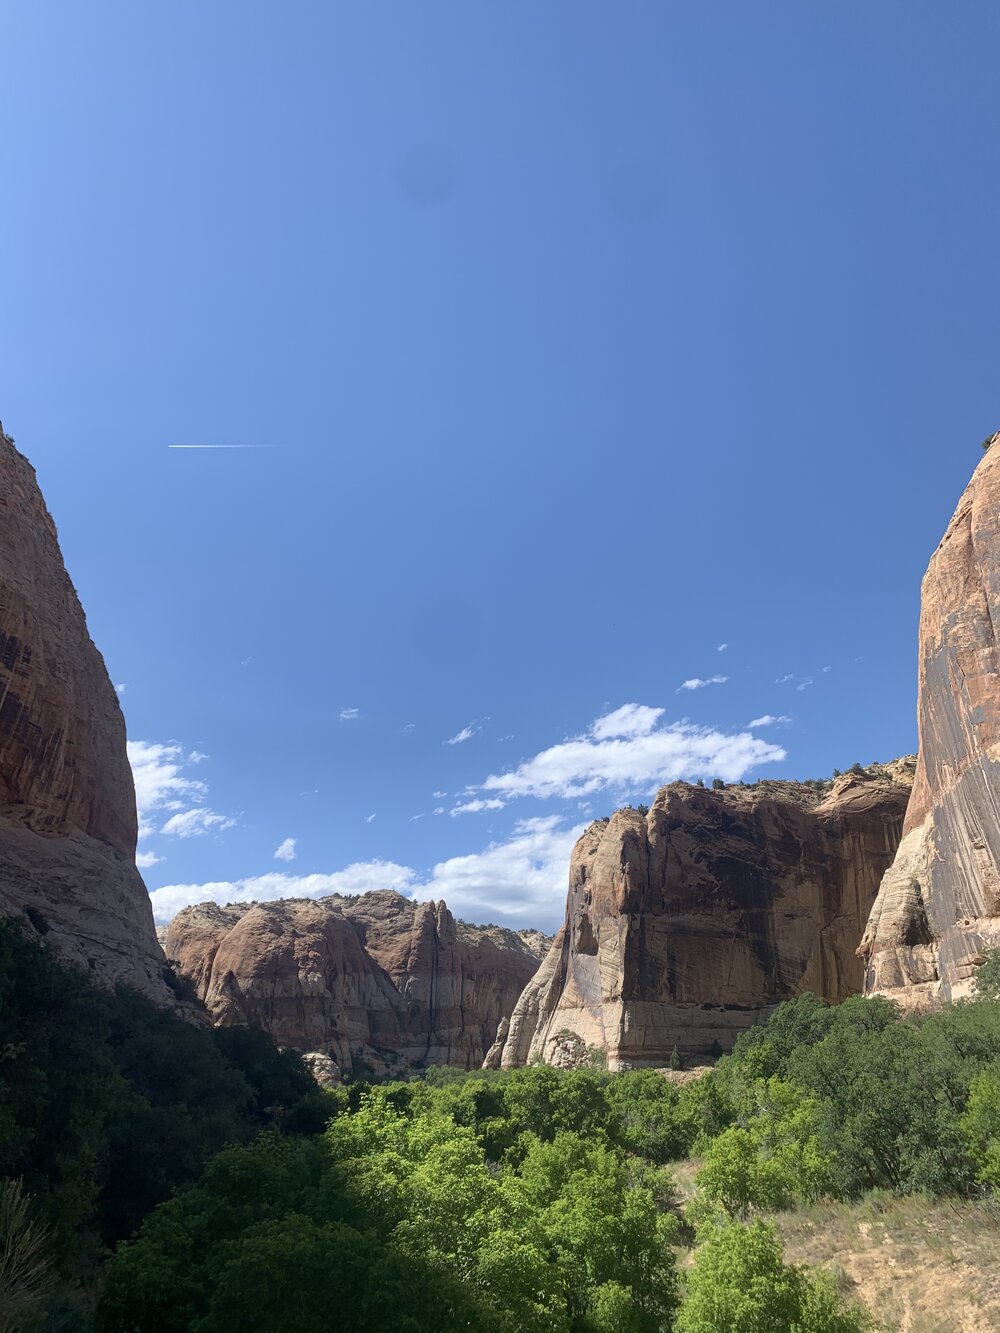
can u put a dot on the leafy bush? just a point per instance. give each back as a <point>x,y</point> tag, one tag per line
<point>739,1283</point>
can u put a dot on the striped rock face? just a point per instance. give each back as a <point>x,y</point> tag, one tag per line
<point>67,803</point>
<point>939,905</point>
<point>375,983</point>
<point>687,925</point>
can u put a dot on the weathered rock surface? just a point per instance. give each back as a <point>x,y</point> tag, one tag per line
<point>939,904</point>
<point>377,980</point>
<point>67,803</point>
<point>687,925</point>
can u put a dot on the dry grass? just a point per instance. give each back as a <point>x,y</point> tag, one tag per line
<point>920,1266</point>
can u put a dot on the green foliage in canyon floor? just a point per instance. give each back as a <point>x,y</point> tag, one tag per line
<point>534,1199</point>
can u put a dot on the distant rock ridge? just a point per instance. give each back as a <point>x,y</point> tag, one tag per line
<point>938,907</point>
<point>376,983</point>
<point>686,925</point>
<point>67,802</point>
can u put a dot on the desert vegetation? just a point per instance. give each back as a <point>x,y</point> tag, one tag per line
<point>163,1177</point>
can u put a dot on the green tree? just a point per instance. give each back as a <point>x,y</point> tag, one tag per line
<point>739,1283</point>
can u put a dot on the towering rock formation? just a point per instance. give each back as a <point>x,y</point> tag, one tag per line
<point>67,804</point>
<point>686,925</point>
<point>939,905</point>
<point>376,982</point>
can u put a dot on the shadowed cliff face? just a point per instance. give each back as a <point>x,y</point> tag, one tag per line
<point>67,804</point>
<point>377,980</point>
<point>939,905</point>
<point>685,926</point>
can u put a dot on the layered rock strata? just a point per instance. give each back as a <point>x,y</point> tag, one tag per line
<point>67,803</point>
<point>686,925</point>
<point>938,908</point>
<point>376,983</point>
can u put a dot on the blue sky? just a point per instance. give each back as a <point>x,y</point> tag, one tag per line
<point>573,341</point>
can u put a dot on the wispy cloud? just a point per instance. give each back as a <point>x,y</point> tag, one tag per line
<point>768,720</point>
<point>369,818</point>
<point>163,788</point>
<point>349,714</point>
<point>804,684</point>
<point>722,647</point>
<point>783,680</point>
<point>521,880</point>
<point>193,823</point>
<point>466,734</point>
<point>480,803</point>
<point>699,682</point>
<point>632,754</point>
<point>286,851</point>
<point>120,690</point>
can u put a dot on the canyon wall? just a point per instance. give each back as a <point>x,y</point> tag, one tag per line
<point>939,905</point>
<point>67,803</point>
<point>377,983</point>
<point>689,923</point>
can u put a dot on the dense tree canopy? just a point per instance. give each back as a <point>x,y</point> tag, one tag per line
<point>523,1201</point>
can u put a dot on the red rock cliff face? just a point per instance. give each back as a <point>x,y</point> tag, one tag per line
<point>685,926</point>
<point>67,804</point>
<point>939,905</point>
<point>377,980</point>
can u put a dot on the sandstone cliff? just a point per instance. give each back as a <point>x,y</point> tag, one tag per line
<point>686,925</point>
<point>939,905</point>
<point>376,981</point>
<point>67,804</point>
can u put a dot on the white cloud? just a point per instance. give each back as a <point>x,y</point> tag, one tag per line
<point>357,878</point>
<point>466,734</point>
<point>768,720</point>
<point>722,647</point>
<point>783,680</point>
<point>369,818</point>
<point>521,880</point>
<point>160,781</point>
<point>588,764</point>
<point>286,852</point>
<point>828,668</point>
<point>629,720</point>
<point>146,860</point>
<point>698,683</point>
<point>410,726</point>
<point>349,714</point>
<point>440,810</point>
<point>480,803</point>
<point>162,787</point>
<point>193,823</point>
<point>439,795</point>
<point>805,684</point>
<point>120,690</point>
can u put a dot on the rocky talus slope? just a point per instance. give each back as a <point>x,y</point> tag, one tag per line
<point>67,803</point>
<point>376,982</point>
<point>688,924</point>
<point>939,904</point>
